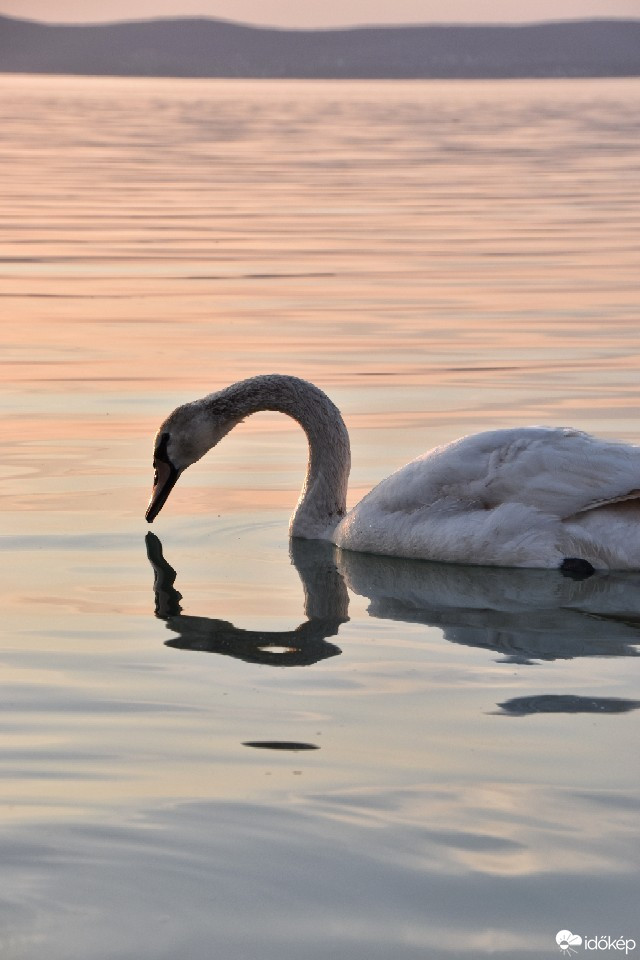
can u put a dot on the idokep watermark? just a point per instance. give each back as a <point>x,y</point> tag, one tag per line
<point>569,943</point>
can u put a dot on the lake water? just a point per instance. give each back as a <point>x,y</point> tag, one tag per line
<point>308,755</point>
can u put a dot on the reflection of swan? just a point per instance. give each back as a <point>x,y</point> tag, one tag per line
<point>326,604</point>
<point>524,497</point>
<point>523,614</point>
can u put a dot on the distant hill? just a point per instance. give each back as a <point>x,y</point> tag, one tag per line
<point>199,47</point>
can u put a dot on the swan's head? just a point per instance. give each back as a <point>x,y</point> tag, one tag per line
<point>184,437</point>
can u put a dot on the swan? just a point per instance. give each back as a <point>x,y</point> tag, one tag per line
<point>545,497</point>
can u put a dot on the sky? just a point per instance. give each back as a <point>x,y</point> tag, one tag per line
<point>323,13</point>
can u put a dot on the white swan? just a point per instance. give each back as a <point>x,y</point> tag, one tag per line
<point>521,497</point>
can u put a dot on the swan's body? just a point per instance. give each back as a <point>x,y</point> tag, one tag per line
<point>521,497</point>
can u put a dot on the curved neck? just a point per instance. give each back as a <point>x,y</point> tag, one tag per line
<point>323,498</point>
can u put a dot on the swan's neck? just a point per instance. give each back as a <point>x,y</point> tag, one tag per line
<point>323,498</point>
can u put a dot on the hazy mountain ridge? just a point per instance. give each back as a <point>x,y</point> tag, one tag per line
<point>204,47</point>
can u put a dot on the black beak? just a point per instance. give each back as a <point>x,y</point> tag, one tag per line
<point>163,481</point>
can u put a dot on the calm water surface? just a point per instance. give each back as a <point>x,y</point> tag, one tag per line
<point>306,755</point>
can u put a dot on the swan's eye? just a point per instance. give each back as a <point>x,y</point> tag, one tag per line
<point>160,454</point>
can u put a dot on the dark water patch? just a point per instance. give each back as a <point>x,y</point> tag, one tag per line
<point>566,703</point>
<point>291,745</point>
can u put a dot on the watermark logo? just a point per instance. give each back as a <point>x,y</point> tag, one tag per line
<point>568,941</point>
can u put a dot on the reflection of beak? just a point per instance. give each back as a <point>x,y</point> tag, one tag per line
<point>164,576</point>
<point>163,483</point>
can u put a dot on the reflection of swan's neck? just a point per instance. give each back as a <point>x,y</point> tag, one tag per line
<point>323,498</point>
<point>326,608</point>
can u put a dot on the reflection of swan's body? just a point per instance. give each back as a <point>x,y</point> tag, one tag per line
<point>522,497</point>
<point>524,615</point>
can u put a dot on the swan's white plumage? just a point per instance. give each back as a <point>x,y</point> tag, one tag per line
<point>521,497</point>
<point>517,497</point>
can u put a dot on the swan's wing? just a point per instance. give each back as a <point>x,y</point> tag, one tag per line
<point>560,472</point>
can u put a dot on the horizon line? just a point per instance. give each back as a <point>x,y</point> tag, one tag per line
<point>457,24</point>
